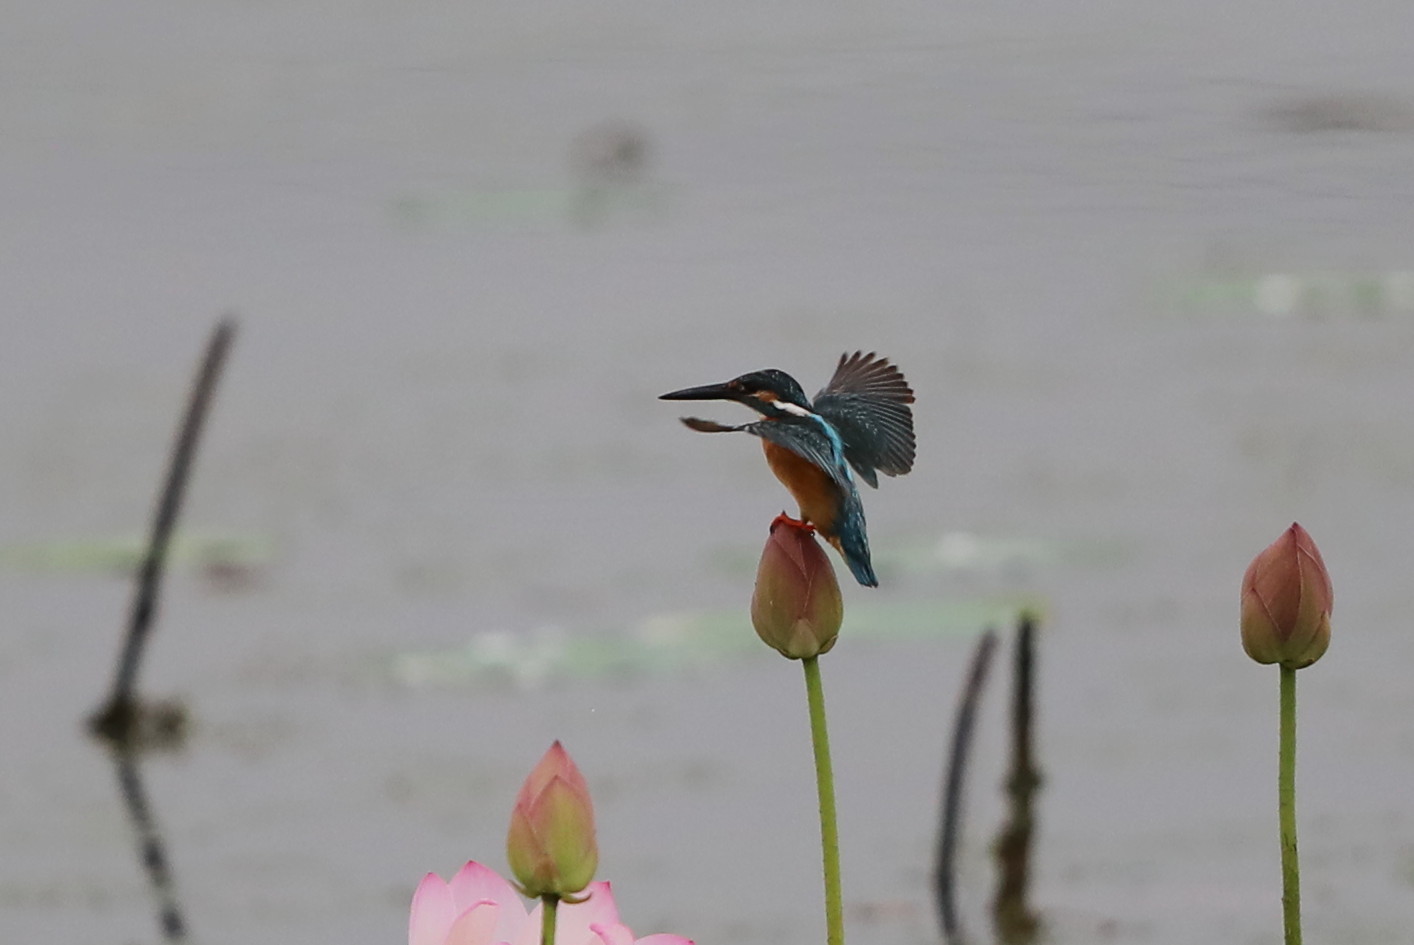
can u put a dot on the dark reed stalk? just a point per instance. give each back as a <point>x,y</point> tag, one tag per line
<point>118,719</point>
<point>1015,923</point>
<point>944,866</point>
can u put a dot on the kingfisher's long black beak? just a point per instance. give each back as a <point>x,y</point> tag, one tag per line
<point>708,392</point>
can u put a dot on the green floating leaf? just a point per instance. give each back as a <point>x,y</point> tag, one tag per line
<point>529,206</point>
<point>1308,293</point>
<point>122,555</point>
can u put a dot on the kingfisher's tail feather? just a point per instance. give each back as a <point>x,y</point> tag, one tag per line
<point>854,548</point>
<point>862,570</point>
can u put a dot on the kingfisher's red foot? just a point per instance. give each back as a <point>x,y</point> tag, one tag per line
<point>784,519</point>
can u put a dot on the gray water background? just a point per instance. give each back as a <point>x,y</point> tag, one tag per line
<point>1145,265</point>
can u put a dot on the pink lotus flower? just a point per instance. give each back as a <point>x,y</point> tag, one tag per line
<point>478,907</point>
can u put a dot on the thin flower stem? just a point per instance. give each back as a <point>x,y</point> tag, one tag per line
<point>825,782</point>
<point>547,918</point>
<point>1286,804</point>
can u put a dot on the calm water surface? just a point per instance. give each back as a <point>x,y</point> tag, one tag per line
<point>1146,267</point>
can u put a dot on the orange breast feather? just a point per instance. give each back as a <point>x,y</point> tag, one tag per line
<point>814,491</point>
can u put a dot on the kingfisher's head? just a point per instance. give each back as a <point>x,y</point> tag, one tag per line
<point>770,392</point>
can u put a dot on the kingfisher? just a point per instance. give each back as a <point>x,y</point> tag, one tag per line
<point>859,423</point>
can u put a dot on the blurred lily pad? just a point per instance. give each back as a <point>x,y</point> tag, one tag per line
<point>584,206</point>
<point>210,553</point>
<point>674,641</point>
<point>1298,293</point>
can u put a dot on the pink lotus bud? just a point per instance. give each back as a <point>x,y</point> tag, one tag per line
<point>797,607</point>
<point>1286,602</point>
<point>551,845</point>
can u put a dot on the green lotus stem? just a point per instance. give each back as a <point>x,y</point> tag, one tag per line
<point>825,782</point>
<point>1286,805</point>
<point>547,918</point>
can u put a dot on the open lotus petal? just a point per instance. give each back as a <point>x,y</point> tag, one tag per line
<point>478,907</point>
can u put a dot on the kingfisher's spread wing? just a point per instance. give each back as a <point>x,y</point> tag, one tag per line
<point>807,436</point>
<point>810,439</point>
<point>867,402</point>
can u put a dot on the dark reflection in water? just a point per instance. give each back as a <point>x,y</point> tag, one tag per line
<point>609,162</point>
<point>151,851</point>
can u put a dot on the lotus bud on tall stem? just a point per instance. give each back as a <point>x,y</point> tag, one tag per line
<point>1286,619</point>
<point>797,610</point>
